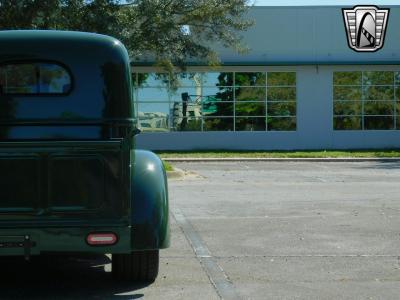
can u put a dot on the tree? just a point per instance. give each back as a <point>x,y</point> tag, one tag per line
<point>171,31</point>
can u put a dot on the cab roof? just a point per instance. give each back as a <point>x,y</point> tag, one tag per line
<point>55,44</point>
<point>58,35</point>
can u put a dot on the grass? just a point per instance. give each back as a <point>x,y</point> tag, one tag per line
<point>281,154</point>
<point>167,166</point>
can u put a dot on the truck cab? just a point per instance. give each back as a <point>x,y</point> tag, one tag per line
<point>71,179</point>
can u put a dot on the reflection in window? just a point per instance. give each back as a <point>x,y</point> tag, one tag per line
<point>189,79</point>
<point>152,95</point>
<point>382,108</point>
<point>378,78</point>
<point>282,94</point>
<point>397,78</point>
<point>366,100</point>
<point>347,93</point>
<point>281,109</point>
<point>34,78</point>
<point>378,122</point>
<point>378,92</point>
<point>216,79</point>
<point>213,107</point>
<point>250,79</point>
<point>144,80</point>
<point>281,79</point>
<point>217,101</point>
<point>218,124</point>
<point>347,108</point>
<point>346,122</point>
<point>250,109</point>
<point>250,124</point>
<point>154,116</point>
<point>250,94</point>
<point>347,78</point>
<point>188,123</point>
<point>279,123</point>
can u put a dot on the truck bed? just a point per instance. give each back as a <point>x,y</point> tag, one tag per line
<point>68,183</point>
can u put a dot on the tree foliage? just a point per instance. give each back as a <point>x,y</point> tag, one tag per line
<point>170,31</point>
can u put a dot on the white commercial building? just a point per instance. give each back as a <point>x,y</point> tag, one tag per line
<point>300,86</point>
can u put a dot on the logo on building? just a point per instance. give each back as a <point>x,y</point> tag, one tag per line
<point>366,27</point>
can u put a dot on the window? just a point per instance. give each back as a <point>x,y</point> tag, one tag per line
<point>366,100</point>
<point>34,79</point>
<point>152,93</point>
<point>281,101</point>
<point>217,101</point>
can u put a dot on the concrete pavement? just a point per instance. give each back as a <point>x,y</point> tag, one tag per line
<point>254,230</point>
<point>299,230</point>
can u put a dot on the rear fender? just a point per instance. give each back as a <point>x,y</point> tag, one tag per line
<point>149,202</point>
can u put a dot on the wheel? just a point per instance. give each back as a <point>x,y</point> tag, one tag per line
<point>136,266</point>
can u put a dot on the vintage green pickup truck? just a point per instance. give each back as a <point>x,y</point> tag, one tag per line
<point>71,180</point>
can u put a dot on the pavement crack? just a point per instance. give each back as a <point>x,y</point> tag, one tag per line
<point>215,273</point>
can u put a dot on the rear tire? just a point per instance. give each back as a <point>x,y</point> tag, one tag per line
<point>138,266</point>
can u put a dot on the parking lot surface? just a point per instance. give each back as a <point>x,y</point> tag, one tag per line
<point>253,230</point>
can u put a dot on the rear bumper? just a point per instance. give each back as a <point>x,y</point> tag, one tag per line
<point>40,240</point>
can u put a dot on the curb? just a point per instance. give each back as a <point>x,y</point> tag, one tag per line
<point>236,159</point>
<point>176,173</point>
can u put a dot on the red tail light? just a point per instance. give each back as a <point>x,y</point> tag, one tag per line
<point>99,239</point>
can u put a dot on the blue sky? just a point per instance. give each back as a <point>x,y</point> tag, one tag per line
<point>324,2</point>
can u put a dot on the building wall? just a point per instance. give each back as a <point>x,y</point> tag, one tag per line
<point>310,41</point>
<point>306,35</point>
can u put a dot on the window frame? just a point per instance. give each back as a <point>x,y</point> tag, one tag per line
<point>207,85</point>
<point>39,61</point>
<point>363,100</point>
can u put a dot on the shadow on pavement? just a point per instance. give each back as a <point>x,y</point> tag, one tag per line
<point>62,277</point>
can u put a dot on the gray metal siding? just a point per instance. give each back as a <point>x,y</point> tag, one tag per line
<point>308,35</point>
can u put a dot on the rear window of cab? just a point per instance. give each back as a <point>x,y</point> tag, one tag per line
<point>34,78</point>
